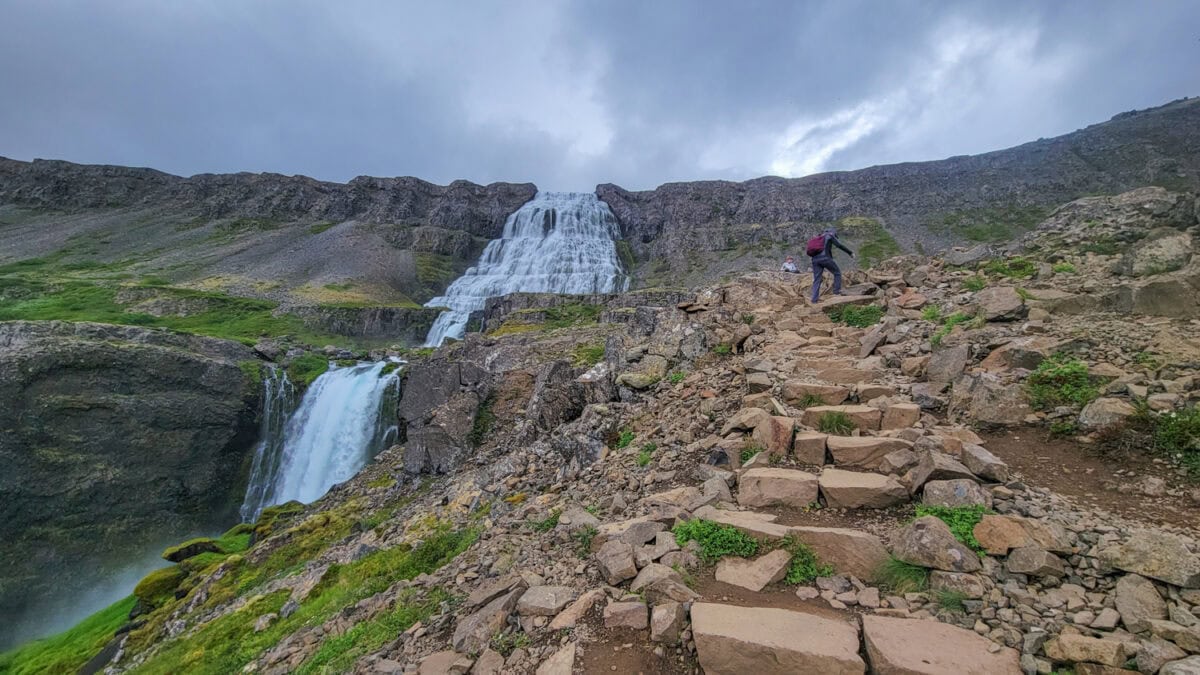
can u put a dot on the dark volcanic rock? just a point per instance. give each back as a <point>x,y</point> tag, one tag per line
<point>115,439</point>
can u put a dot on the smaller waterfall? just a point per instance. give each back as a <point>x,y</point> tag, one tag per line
<point>557,242</point>
<point>345,418</point>
<point>279,400</point>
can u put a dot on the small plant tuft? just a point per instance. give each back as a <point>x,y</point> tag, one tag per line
<point>583,540</point>
<point>624,439</point>
<point>975,283</point>
<point>1060,380</point>
<point>951,600</point>
<point>1065,268</point>
<point>749,453</point>
<point>804,566</point>
<point>748,319</point>
<point>903,577</point>
<point>810,401</point>
<point>723,350</point>
<point>716,540</point>
<point>837,423</point>
<point>859,316</point>
<point>646,454</point>
<point>549,523</point>
<point>960,519</point>
<point>677,377</point>
<point>932,313</point>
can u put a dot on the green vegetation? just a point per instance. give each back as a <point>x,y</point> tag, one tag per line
<point>625,254</point>
<point>677,377</point>
<point>158,587</point>
<point>1063,428</point>
<point>566,316</point>
<point>723,350</point>
<point>748,454</point>
<point>837,423</point>
<point>975,283</point>
<point>950,600</point>
<point>716,540</point>
<point>624,439</point>
<point>875,242</point>
<point>948,325</point>
<point>69,650</point>
<point>507,643</point>
<point>1101,246</point>
<point>1146,360</point>
<point>1060,380</point>
<point>1012,268</point>
<point>306,368</point>
<point>1065,268</point>
<point>810,400</point>
<point>587,355</point>
<point>932,313</point>
<point>548,523</point>
<point>859,316</point>
<point>1174,435</point>
<point>435,271</point>
<point>484,419</point>
<point>318,228</point>
<point>646,454</point>
<point>583,540</point>
<point>252,369</point>
<point>384,481</point>
<point>903,577</point>
<point>338,654</point>
<point>804,566</point>
<point>990,224</point>
<point>228,643</point>
<point>1024,294</point>
<point>961,520</point>
<point>389,368</point>
<point>748,319</point>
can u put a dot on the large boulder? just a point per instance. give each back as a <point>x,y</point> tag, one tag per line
<point>957,492</point>
<point>796,391</point>
<point>114,439</point>
<point>928,542</point>
<point>1157,555</point>
<point>756,574</point>
<point>475,632</point>
<point>988,400</point>
<point>1164,249</point>
<point>1138,602</point>
<point>934,465</point>
<point>777,487</point>
<point>1035,562</point>
<point>737,640</point>
<point>1000,303</point>
<point>998,534</point>
<point>909,646</point>
<point>983,463</point>
<point>1070,648</point>
<point>774,435</point>
<point>853,490</point>
<point>946,364</point>
<point>848,551</point>
<point>1105,412</point>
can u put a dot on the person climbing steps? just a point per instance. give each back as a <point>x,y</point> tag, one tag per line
<point>820,248</point>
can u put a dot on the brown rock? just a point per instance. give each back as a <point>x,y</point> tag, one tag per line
<point>473,633</point>
<point>666,622</point>
<point>850,490</point>
<point>927,542</point>
<point>774,435</point>
<point>1138,602</point>
<point>777,487</point>
<point>983,463</point>
<point>757,525</point>
<point>1105,412</point>
<point>1000,303</point>
<point>947,363</point>
<point>1072,648</point>
<point>626,615</point>
<point>577,610</point>
<point>445,663</point>
<point>616,561</point>
<point>969,585</point>
<point>1035,562</point>
<point>744,420</point>
<point>848,551</point>
<point>755,574</point>
<point>900,416</point>
<point>635,531</point>
<point>1155,652</point>
<point>490,662</point>
<point>1157,555</point>
<point>544,600</point>
<point>999,534</point>
<point>864,417</point>
<point>866,452</point>
<point>738,640</point>
<point>915,647</point>
<point>933,465</point>
<point>561,663</point>
<point>809,447</point>
<point>914,366</point>
<point>958,492</point>
<point>795,391</point>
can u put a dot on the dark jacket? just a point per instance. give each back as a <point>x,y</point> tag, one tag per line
<point>831,240</point>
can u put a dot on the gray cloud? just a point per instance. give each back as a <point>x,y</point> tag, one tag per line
<point>571,94</point>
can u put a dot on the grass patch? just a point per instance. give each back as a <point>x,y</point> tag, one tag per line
<point>583,540</point>
<point>676,377</point>
<point>716,540</point>
<point>951,600</point>
<point>804,566</point>
<point>548,523</point>
<point>903,577</point>
<point>975,283</point>
<point>932,313</point>
<point>876,243</point>
<point>318,228</point>
<point>1012,268</point>
<point>624,439</point>
<point>69,650</point>
<point>1174,435</point>
<point>587,355</point>
<point>948,324</point>
<point>646,454</point>
<point>992,223</point>
<point>1063,428</point>
<point>306,368</point>
<point>748,319</point>
<point>749,453</point>
<point>1101,246</point>
<point>859,316</point>
<point>507,643</point>
<point>227,644</point>
<point>1060,381</point>
<point>484,419</point>
<point>960,519</point>
<point>566,316</point>
<point>338,654</point>
<point>810,400</point>
<point>723,350</point>
<point>837,423</point>
<point>1065,268</point>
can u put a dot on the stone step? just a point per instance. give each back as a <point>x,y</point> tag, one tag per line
<point>864,417</point>
<point>854,490</point>
<point>777,487</point>
<point>929,647</point>
<point>733,640</point>
<point>865,452</point>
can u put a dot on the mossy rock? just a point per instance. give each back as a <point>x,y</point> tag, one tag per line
<point>270,516</point>
<point>159,586</point>
<point>190,548</point>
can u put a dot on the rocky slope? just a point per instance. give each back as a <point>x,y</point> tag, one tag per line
<point>711,485</point>
<point>115,440</point>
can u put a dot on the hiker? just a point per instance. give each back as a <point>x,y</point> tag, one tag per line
<point>820,248</point>
<point>789,266</point>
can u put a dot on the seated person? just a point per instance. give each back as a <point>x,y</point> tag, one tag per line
<point>789,265</point>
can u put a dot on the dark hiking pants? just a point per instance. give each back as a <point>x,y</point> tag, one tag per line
<point>820,264</point>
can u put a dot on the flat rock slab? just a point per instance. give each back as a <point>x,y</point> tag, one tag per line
<point>848,551</point>
<point>1071,648</point>
<point>1157,555</point>
<point>863,417</point>
<point>757,525</point>
<point>763,641</point>
<point>777,487</point>
<point>756,574</point>
<point>795,391</point>
<point>852,490</point>
<point>998,534</point>
<point>866,452</point>
<point>544,600</point>
<point>911,646</point>
<point>957,492</point>
<point>633,615</point>
<point>561,663</point>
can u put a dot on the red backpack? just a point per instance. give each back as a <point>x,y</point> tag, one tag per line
<point>816,246</point>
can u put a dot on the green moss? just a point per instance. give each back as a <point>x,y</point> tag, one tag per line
<point>715,539</point>
<point>68,651</point>
<point>306,368</point>
<point>566,316</point>
<point>948,325</point>
<point>190,548</point>
<point>385,481</point>
<point>252,369</point>
<point>990,224</point>
<point>876,243</point>
<point>159,586</point>
<point>587,355</point>
<point>318,228</point>
<point>625,255</point>
<point>484,419</point>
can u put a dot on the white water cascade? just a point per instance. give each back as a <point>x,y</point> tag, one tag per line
<point>345,418</point>
<point>557,242</point>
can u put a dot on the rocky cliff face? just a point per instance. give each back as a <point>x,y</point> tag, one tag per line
<point>115,439</point>
<point>993,196</point>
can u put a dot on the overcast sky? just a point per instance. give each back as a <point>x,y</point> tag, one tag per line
<point>570,94</point>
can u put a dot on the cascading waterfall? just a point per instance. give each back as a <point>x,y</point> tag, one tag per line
<point>558,242</point>
<point>279,400</point>
<point>345,418</point>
